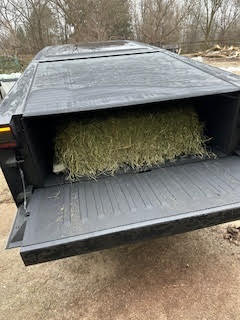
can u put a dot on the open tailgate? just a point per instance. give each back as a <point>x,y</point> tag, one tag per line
<point>71,219</point>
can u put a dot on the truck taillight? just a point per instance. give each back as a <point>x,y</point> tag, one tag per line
<point>7,140</point>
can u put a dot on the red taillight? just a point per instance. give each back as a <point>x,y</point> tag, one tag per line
<point>7,140</point>
<point>8,145</point>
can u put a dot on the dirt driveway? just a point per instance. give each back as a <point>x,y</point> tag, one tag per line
<point>190,276</point>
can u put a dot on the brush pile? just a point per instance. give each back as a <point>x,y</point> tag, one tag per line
<point>220,52</point>
<point>128,140</point>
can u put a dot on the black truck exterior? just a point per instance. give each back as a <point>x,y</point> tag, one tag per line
<point>57,219</point>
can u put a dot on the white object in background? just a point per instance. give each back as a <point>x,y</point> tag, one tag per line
<point>7,81</point>
<point>11,76</point>
<point>200,59</point>
<point>6,86</point>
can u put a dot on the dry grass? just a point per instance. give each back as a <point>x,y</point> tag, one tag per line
<point>104,146</point>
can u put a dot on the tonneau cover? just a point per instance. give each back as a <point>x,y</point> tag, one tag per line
<point>73,78</point>
<point>107,82</point>
<point>93,49</point>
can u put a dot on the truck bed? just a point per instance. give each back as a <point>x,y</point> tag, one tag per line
<point>88,80</point>
<point>76,218</point>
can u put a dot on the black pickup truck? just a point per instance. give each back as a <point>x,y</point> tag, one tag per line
<point>56,218</point>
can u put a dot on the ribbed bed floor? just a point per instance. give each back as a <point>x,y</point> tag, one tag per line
<point>83,208</point>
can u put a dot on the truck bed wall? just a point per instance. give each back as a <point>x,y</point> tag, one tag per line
<point>220,113</point>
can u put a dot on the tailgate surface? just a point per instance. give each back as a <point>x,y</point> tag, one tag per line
<point>88,210</point>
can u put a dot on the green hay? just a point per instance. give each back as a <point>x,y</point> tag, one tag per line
<point>89,148</point>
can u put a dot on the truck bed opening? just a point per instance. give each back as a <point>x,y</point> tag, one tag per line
<point>220,115</point>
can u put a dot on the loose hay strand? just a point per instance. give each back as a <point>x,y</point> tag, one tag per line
<point>89,148</point>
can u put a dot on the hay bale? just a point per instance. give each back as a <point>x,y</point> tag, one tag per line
<point>89,148</point>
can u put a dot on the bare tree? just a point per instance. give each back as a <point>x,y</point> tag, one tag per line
<point>9,21</point>
<point>96,19</point>
<point>160,20</point>
<point>205,12</point>
<point>228,16</point>
<point>36,21</point>
<point>28,25</point>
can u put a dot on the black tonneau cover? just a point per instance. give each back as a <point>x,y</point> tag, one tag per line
<point>107,82</point>
<point>128,78</point>
<point>73,78</point>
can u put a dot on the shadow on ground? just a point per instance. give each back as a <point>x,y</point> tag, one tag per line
<point>189,276</point>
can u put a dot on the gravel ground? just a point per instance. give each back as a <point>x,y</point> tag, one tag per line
<point>191,276</point>
<point>232,65</point>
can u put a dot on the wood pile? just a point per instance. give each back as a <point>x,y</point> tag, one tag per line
<point>220,52</point>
